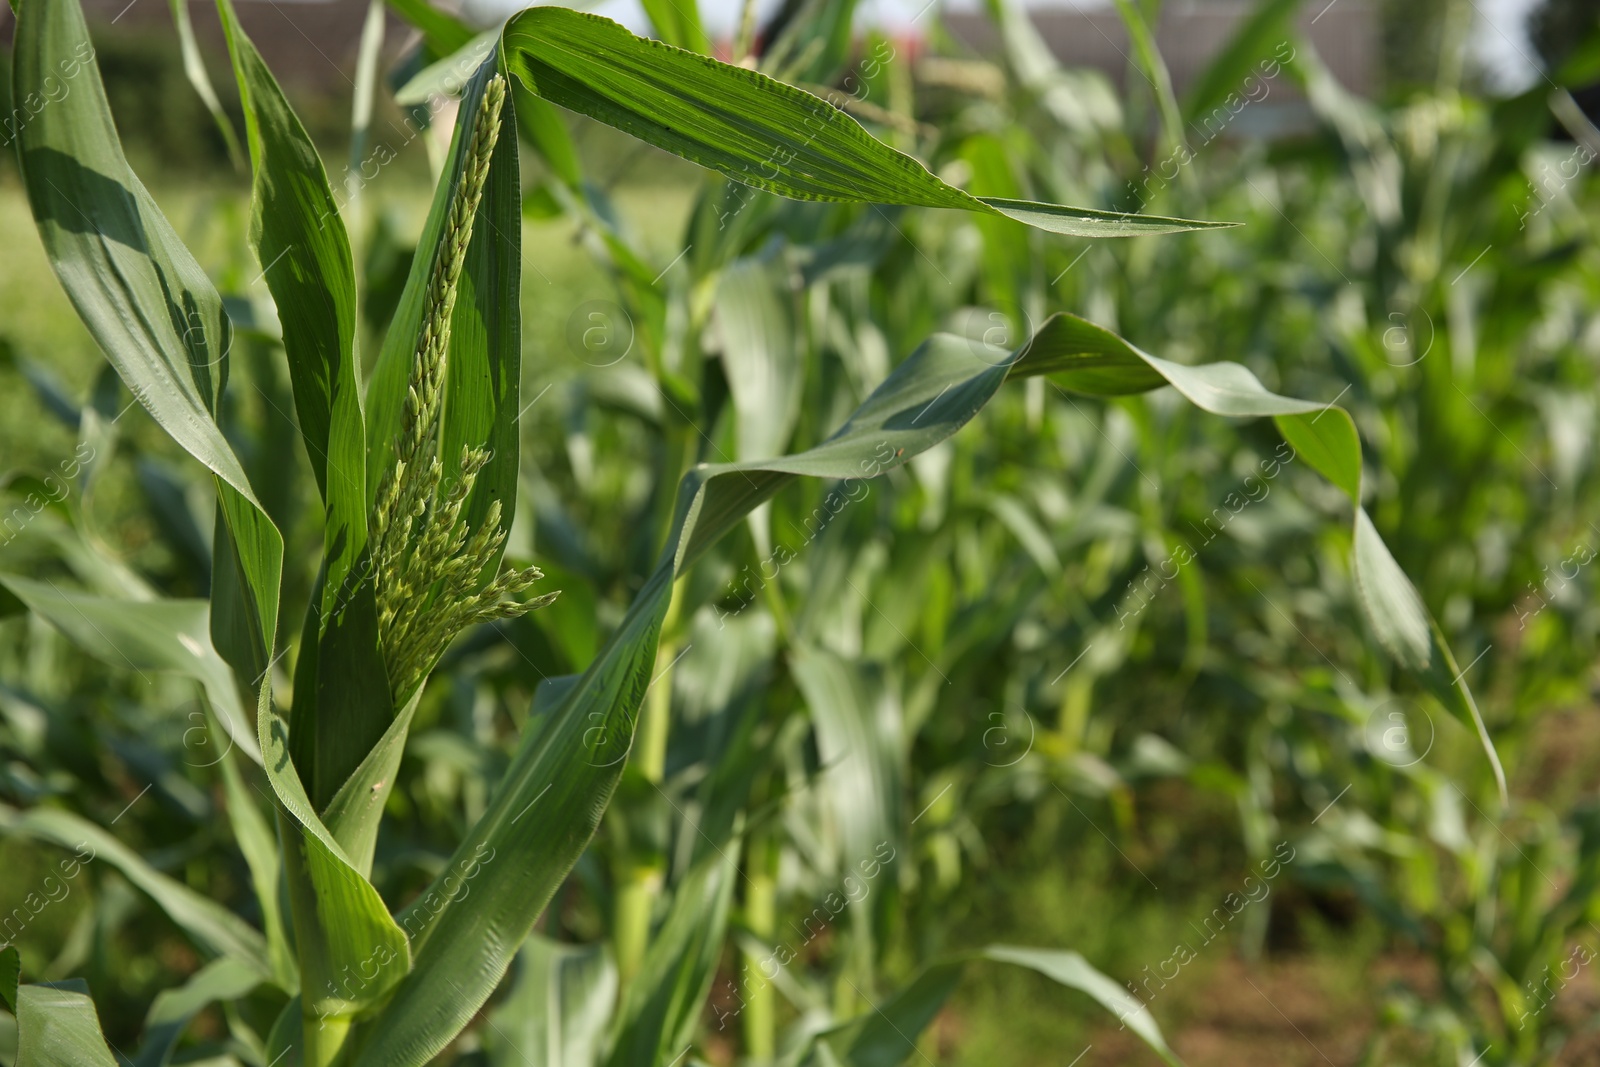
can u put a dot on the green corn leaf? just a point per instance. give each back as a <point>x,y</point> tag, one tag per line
<point>547,807</point>
<point>141,294</point>
<point>558,1007</point>
<point>663,1002</point>
<point>551,798</point>
<point>1408,631</point>
<point>885,1036</point>
<point>10,973</point>
<point>750,127</point>
<point>860,741</point>
<point>355,811</point>
<point>301,245</point>
<point>1329,442</point>
<point>58,1027</point>
<point>1085,358</point>
<point>677,22</point>
<point>764,374</point>
<point>366,82</point>
<point>1147,58</point>
<point>259,844</point>
<point>194,68</point>
<point>444,32</point>
<point>1254,45</point>
<point>445,77</point>
<point>538,120</point>
<point>214,929</point>
<point>223,980</point>
<point>351,951</point>
<point>144,635</point>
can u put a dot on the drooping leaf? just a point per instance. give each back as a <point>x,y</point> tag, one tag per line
<point>752,128</point>
<point>1085,358</point>
<point>194,68</point>
<point>224,980</point>
<point>144,635</point>
<point>551,798</point>
<point>58,1027</point>
<point>142,295</point>
<point>214,929</point>
<point>663,1002</point>
<point>1329,442</point>
<point>1408,631</point>
<point>885,1035</point>
<point>860,741</point>
<point>557,1010</point>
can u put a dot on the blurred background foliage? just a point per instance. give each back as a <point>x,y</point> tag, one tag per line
<point>982,662</point>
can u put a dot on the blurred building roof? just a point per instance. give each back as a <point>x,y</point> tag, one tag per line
<point>312,43</point>
<point>1190,33</point>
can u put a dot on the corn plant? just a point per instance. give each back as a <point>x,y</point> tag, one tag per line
<point>417,474</point>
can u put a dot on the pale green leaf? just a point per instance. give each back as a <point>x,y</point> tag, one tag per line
<point>58,1027</point>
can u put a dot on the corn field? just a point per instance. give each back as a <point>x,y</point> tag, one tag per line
<point>822,547</point>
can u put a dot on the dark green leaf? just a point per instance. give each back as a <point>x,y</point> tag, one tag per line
<point>750,127</point>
